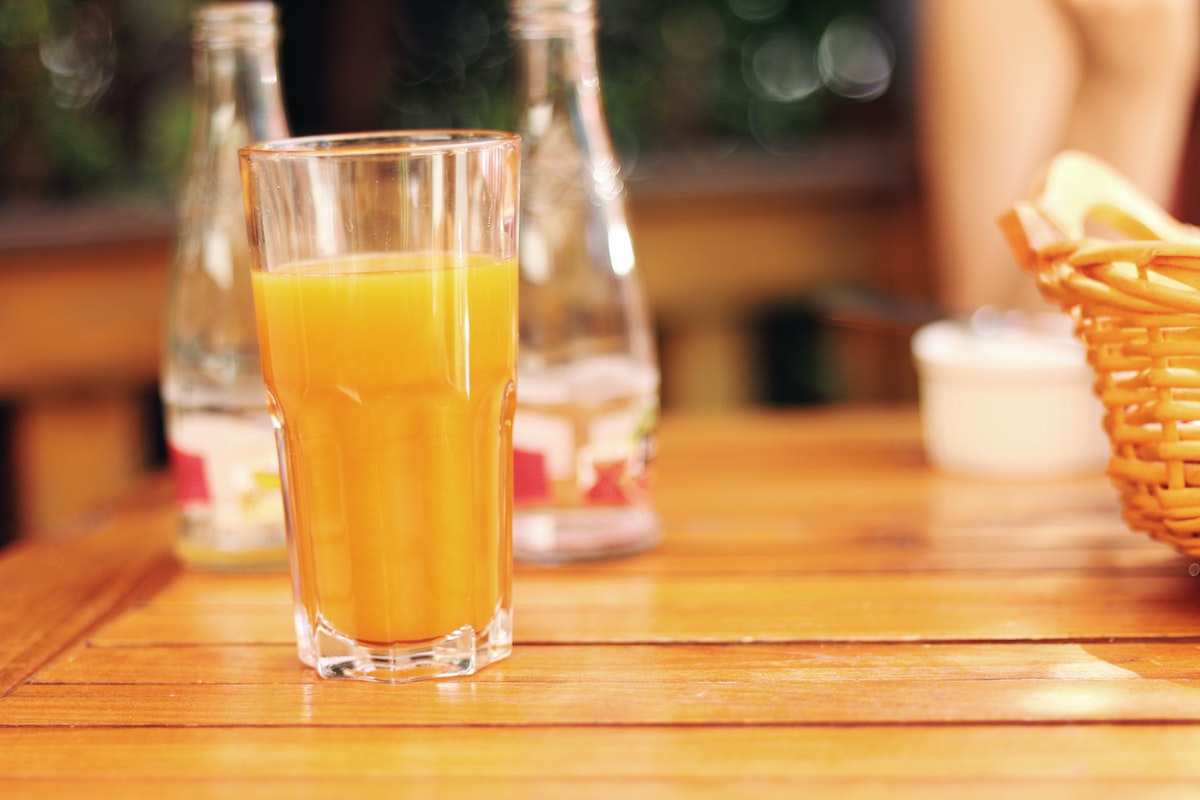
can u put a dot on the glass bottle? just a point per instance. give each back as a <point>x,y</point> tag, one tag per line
<point>220,441</point>
<point>588,378</point>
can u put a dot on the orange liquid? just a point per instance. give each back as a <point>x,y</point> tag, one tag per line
<point>394,389</point>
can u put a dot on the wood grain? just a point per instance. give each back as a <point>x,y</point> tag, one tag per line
<point>56,593</point>
<point>680,757</point>
<point>821,661</point>
<point>634,686</point>
<point>597,608</point>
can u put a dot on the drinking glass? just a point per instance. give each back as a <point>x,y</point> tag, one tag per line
<point>385,290</point>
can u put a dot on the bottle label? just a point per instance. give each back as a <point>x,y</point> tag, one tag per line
<point>607,464</point>
<point>227,466</point>
<point>188,470</point>
<point>530,480</point>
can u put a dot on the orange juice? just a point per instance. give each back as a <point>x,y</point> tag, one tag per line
<point>391,379</point>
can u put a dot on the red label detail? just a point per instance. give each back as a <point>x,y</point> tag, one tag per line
<point>608,489</point>
<point>529,476</point>
<point>188,470</point>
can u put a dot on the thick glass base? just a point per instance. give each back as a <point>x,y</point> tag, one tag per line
<point>576,534</point>
<point>461,652</point>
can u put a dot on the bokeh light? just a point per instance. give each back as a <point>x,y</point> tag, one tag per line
<point>779,65</point>
<point>855,58</point>
<point>81,61</point>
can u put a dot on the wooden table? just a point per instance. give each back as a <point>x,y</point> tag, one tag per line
<point>826,616</point>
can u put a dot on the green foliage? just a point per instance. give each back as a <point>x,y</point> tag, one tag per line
<point>94,97</point>
<point>90,97</point>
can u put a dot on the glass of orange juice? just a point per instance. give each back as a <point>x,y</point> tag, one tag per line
<point>385,290</point>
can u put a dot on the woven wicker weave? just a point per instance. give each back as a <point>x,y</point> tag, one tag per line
<point>1135,296</point>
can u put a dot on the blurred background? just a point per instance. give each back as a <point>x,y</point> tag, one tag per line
<point>767,145</point>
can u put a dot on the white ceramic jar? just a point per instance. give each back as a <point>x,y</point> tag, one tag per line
<point>1008,397</point>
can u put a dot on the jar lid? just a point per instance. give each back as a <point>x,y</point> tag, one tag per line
<point>1038,348</point>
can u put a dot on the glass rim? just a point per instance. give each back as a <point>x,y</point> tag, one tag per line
<point>367,144</point>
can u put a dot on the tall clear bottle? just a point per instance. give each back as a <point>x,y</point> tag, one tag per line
<point>219,437</point>
<point>588,378</point>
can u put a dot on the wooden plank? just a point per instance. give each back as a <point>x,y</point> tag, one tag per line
<point>852,684</point>
<point>595,607</point>
<point>57,592</point>
<point>596,787</point>
<point>884,542</point>
<point>768,695</point>
<point>541,664</point>
<point>879,538</point>
<point>682,757</point>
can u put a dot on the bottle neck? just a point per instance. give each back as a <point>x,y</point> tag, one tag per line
<point>236,75</point>
<point>558,65</point>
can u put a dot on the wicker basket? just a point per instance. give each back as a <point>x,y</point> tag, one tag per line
<point>1129,274</point>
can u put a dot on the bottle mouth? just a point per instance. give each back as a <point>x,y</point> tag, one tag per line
<point>545,18</point>
<point>235,24</point>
